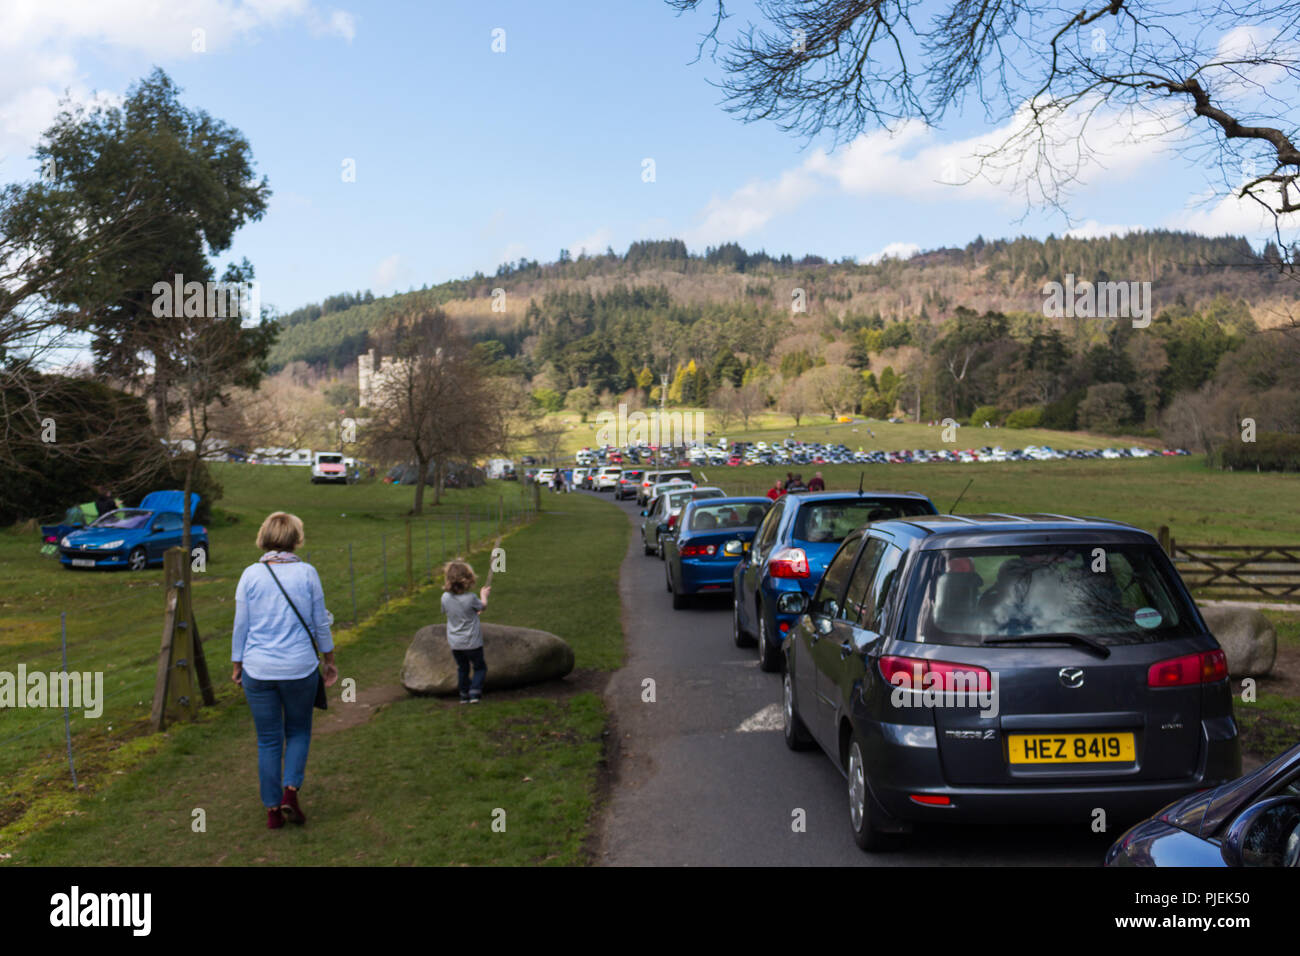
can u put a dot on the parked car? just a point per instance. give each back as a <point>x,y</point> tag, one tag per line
<point>650,478</point>
<point>1252,821</point>
<point>707,540</point>
<point>1066,665</point>
<point>606,479</point>
<point>628,483</point>
<point>134,537</point>
<point>662,514</point>
<point>791,550</point>
<point>328,467</point>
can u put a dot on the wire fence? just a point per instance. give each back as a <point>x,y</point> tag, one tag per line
<point>116,642</point>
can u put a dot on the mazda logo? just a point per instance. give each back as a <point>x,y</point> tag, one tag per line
<point>1071,676</point>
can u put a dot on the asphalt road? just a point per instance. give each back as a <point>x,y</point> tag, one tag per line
<point>703,776</point>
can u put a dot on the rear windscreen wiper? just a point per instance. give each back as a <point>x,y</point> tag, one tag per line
<point>1101,650</point>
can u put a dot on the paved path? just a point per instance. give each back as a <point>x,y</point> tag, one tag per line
<point>704,778</point>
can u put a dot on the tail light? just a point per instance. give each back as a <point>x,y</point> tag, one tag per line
<point>789,563</point>
<point>1203,668</point>
<point>699,550</point>
<point>915,670</point>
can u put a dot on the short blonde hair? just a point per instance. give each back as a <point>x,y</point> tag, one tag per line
<point>280,532</point>
<point>457,577</point>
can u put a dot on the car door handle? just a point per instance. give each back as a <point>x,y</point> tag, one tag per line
<point>846,648</point>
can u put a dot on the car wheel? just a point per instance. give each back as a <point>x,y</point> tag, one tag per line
<point>680,601</point>
<point>137,560</point>
<point>769,653</point>
<point>796,734</point>
<point>861,814</point>
<point>738,635</point>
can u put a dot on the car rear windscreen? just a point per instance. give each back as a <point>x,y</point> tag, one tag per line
<point>330,459</point>
<point>1112,594</point>
<point>671,475</point>
<point>743,514</point>
<point>677,500</point>
<point>829,522</point>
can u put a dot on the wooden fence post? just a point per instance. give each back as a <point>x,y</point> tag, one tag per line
<point>182,675</point>
<point>1165,539</point>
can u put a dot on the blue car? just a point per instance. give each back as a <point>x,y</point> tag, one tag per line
<point>796,541</point>
<point>700,555</point>
<point>1251,821</point>
<point>134,538</point>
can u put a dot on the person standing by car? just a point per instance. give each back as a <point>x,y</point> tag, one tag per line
<point>104,502</point>
<point>464,632</point>
<point>280,624</point>
<point>796,484</point>
<point>818,483</point>
<point>776,491</point>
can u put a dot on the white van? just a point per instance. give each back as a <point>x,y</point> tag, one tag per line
<point>328,466</point>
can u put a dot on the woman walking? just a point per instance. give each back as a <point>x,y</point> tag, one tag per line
<point>280,624</point>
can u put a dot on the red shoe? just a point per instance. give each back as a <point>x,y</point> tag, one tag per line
<point>274,818</point>
<point>289,808</point>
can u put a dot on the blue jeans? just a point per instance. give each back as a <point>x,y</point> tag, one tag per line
<point>282,714</point>
<point>470,687</point>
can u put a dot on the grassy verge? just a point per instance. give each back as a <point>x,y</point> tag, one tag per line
<point>1271,723</point>
<point>356,538</point>
<point>417,783</point>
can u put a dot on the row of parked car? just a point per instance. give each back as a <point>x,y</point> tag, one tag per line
<point>985,668</point>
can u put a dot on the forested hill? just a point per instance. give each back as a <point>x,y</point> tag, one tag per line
<point>690,304</point>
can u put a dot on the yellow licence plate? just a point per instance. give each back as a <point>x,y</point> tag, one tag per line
<point>1071,748</point>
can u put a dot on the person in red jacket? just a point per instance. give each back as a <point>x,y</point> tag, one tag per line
<point>776,491</point>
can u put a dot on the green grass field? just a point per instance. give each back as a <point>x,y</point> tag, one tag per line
<point>417,784</point>
<point>1200,505</point>
<point>774,426</point>
<point>114,619</point>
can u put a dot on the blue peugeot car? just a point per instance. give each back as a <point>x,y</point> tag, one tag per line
<point>134,538</point>
<point>1252,821</point>
<point>710,536</point>
<point>791,549</point>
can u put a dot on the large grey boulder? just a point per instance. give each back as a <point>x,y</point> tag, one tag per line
<point>1246,636</point>
<point>515,656</point>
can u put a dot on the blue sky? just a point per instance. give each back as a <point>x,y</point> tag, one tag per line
<point>467,157</point>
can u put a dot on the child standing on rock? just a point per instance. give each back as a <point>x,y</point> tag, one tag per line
<point>464,634</point>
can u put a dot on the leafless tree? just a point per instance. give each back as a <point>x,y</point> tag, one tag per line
<point>436,405</point>
<point>1221,77</point>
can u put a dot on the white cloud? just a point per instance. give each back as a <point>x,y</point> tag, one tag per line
<point>592,245</point>
<point>912,163</point>
<point>1231,216</point>
<point>40,42</point>
<point>895,250</point>
<point>389,271</point>
<point>1092,229</point>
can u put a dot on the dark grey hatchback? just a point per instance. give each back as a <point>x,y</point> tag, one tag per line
<point>1007,668</point>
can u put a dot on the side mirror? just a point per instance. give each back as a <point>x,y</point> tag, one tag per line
<point>1266,834</point>
<point>792,602</point>
<point>156,528</point>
